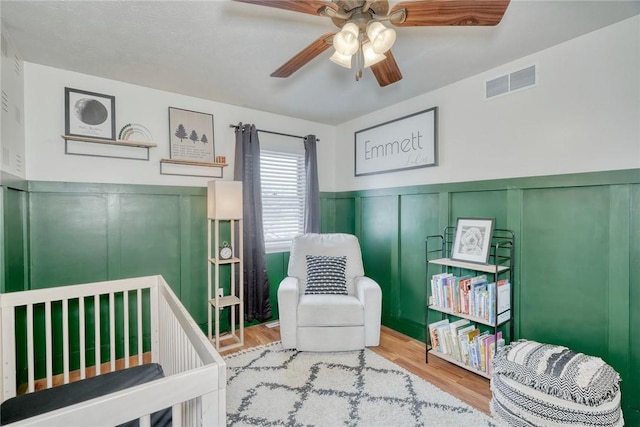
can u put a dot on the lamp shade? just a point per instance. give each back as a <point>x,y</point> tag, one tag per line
<point>382,38</point>
<point>346,40</point>
<point>224,199</point>
<point>370,56</point>
<point>340,59</point>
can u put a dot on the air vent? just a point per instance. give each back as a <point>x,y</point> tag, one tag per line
<point>5,102</point>
<point>17,66</point>
<point>511,82</point>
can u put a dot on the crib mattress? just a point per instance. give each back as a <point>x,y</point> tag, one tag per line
<point>31,404</point>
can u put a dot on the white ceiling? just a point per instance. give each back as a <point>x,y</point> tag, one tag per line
<point>225,51</point>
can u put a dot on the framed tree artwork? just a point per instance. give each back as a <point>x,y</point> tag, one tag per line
<point>191,135</point>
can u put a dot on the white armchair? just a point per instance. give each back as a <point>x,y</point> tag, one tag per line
<point>328,321</point>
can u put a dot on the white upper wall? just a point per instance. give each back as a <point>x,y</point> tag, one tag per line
<point>44,118</point>
<point>583,115</point>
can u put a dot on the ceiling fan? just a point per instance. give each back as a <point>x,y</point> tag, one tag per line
<point>363,39</point>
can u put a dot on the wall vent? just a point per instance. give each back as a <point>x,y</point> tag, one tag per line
<point>17,66</point>
<point>527,77</point>
<point>5,102</point>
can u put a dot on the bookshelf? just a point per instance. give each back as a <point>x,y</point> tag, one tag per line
<point>468,305</point>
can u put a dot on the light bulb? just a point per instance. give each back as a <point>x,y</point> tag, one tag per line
<point>370,56</point>
<point>346,40</point>
<point>340,59</point>
<point>381,37</point>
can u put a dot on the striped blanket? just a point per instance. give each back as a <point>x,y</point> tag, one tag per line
<point>558,371</point>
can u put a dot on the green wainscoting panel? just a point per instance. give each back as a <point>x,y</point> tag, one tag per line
<point>337,214</point>
<point>150,237</point>
<point>15,239</point>
<point>419,217</point>
<point>479,204</point>
<point>379,243</point>
<point>194,256</point>
<point>277,264</point>
<point>633,384</point>
<point>68,238</point>
<point>564,267</point>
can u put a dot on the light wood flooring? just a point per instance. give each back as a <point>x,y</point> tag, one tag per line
<point>408,353</point>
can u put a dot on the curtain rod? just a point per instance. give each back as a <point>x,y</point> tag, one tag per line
<point>276,133</point>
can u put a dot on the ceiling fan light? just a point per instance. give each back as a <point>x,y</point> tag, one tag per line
<point>346,40</point>
<point>340,59</point>
<point>382,38</point>
<point>370,56</point>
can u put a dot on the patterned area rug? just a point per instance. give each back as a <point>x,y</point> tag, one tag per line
<point>269,386</point>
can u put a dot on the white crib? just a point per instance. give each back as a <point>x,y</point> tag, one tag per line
<point>195,374</point>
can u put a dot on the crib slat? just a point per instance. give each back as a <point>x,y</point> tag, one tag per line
<point>7,344</point>
<point>96,310</point>
<point>139,326</point>
<point>112,331</point>
<point>83,360</point>
<point>125,297</point>
<point>65,340</point>
<point>48,349</point>
<point>155,338</point>
<point>176,416</point>
<point>145,421</point>
<point>30,355</point>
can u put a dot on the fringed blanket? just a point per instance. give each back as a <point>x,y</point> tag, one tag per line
<point>558,371</point>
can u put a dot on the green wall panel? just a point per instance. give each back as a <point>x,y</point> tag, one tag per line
<point>633,387</point>
<point>15,240</point>
<point>68,239</point>
<point>379,242</point>
<point>479,204</point>
<point>564,267</point>
<point>150,237</point>
<point>194,256</point>
<point>419,217</point>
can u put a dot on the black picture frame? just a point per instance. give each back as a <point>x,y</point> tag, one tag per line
<point>89,114</point>
<point>472,241</point>
<point>408,142</point>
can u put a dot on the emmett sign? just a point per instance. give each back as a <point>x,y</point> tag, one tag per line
<point>406,143</point>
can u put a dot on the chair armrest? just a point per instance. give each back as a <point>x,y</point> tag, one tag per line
<point>288,296</point>
<point>369,293</point>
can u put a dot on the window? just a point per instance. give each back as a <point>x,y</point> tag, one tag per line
<point>283,193</point>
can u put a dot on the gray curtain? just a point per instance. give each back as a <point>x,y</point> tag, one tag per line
<point>257,305</point>
<point>312,191</point>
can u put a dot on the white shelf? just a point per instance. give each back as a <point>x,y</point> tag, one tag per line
<point>485,268</point>
<point>224,261</point>
<point>466,316</point>
<point>227,301</point>
<point>235,293</point>
<point>453,360</point>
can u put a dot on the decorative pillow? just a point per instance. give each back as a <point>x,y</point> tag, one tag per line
<point>325,275</point>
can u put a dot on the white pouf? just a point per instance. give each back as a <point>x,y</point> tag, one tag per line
<point>536,384</point>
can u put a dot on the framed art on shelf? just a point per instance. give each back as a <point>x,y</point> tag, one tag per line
<point>472,241</point>
<point>191,135</point>
<point>89,114</point>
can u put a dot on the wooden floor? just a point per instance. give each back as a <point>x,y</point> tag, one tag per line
<point>408,353</point>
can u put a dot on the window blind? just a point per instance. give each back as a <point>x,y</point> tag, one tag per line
<point>283,190</point>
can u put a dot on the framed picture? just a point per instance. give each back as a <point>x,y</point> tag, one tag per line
<point>472,242</point>
<point>191,135</point>
<point>409,142</point>
<point>89,114</point>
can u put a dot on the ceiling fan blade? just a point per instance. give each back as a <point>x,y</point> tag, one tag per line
<point>450,12</point>
<point>304,56</point>
<point>387,71</point>
<point>304,6</point>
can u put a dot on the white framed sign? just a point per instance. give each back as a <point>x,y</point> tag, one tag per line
<point>409,142</point>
